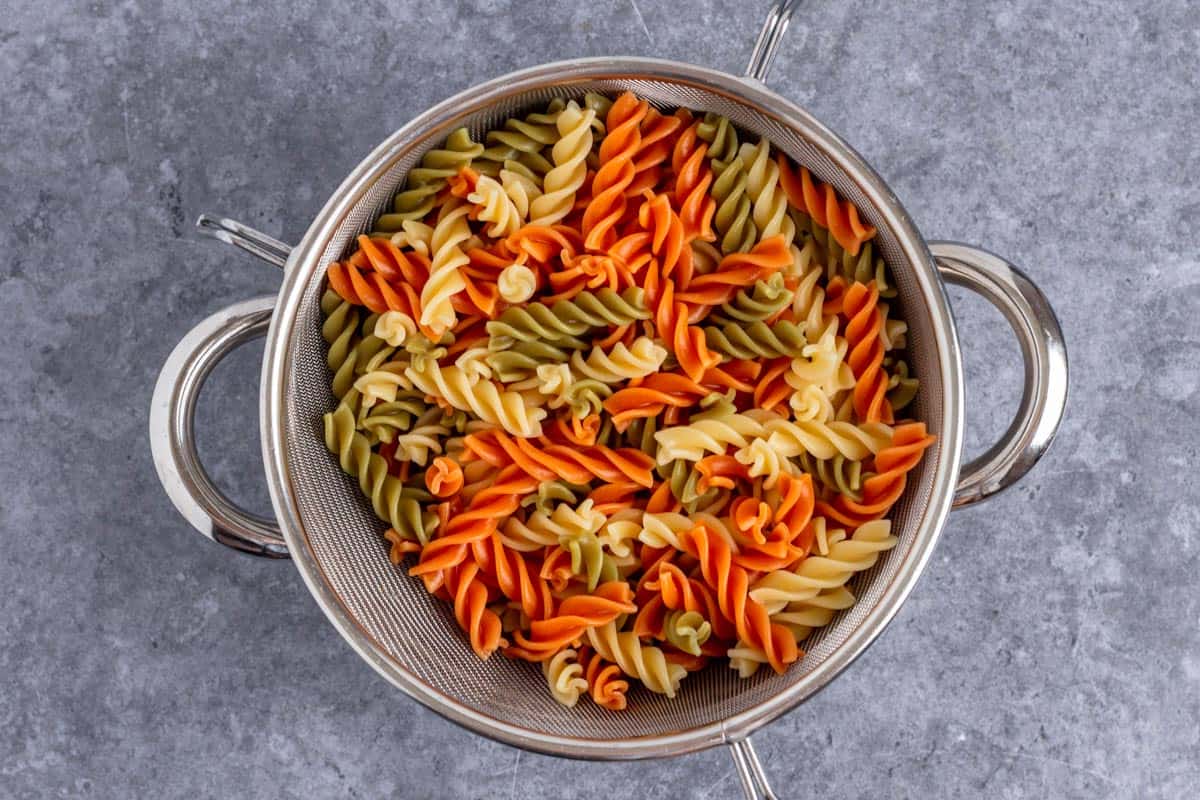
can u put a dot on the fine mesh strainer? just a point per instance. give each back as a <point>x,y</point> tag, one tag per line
<point>325,525</point>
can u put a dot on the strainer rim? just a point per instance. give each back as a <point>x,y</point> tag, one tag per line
<point>305,259</point>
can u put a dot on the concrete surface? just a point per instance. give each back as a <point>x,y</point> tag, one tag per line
<point>1053,647</point>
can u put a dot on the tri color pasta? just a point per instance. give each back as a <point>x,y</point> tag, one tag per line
<point>627,391</point>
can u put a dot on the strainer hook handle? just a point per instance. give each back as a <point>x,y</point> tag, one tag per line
<point>173,434</point>
<point>1044,351</point>
<point>751,772</point>
<point>256,243</point>
<point>769,39</point>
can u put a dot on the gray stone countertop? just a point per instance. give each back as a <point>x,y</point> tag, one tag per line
<point>1052,648</point>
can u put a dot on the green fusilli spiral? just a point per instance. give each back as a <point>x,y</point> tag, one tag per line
<point>384,420</point>
<point>566,320</point>
<point>839,474</point>
<point>687,630</point>
<point>756,340</point>
<point>353,346</point>
<point>733,222</point>
<point>754,304</point>
<point>392,501</point>
<point>865,267</point>
<point>522,141</point>
<point>550,493</point>
<point>588,558</point>
<point>519,360</point>
<point>902,388</point>
<point>682,477</point>
<point>425,181</point>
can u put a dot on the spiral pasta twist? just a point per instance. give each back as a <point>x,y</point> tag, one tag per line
<point>733,221</point>
<point>756,339</point>
<point>475,523</point>
<point>423,439</point>
<point>881,490</point>
<point>522,185</point>
<point>615,173</point>
<point>570,152</point>
<point>763,460</point>
<point>690,442</point>
<point>604,681</point>
<point>902,387</point>
<point>808,297</point>
<point>522,141</point>
<point>644,662</point>
<point>413,234</point>
<point>392,501</point>
<point>340,331</point>
<point>693,177</point>
<point>519,360</point>
<point>759,303</point>
<point>384,420</point>
<point>445,279</point>
<point>620,363</point>
<point>687,630</point>
<point>736,271</point>
<point>564,676</point>
<point>547,461</point>
<point>588,559</point>
<point>821,203</point>
<point>469,595</point>
<point>839,474</point>
<point>817,573</point>
<point>865,357</point>
<point>425,181</point>
<point>566,320</point>
<point>576,616</point>
<point>826,440</point>
<point>495,207</point>
<point>482,398</point>
<point>802,617</point>
<point>731,583</point>
<point>770,212</point>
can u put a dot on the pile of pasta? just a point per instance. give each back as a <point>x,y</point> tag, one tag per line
<point>626,390</point>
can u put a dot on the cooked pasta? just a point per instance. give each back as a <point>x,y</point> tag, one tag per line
<point>626,390</point>
<point>570,152</point>
<point>425,181</point>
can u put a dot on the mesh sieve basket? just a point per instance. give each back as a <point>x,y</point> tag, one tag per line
<point>411,638</point>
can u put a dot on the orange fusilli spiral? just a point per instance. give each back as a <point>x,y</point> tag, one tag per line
<point>693,177</point>
<point>731,583</point>
<point>546,461</point>
<point>576,614</point>
<point>820,201</point>
<point>477,521</point>
<point>616,172</point>
<point>737,271</point>
<point>881,490</point>
<point>865,356</point>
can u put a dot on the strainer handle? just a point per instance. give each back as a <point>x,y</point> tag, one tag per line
<point>1044,397</point>
<point>750,770</point>
<point>769,38</point>
<point>173,433</point>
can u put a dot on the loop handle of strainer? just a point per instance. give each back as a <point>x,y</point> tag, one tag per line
<point>173,407</point>
<point>1043,351</point>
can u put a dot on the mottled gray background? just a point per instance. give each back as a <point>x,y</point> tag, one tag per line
<point>1052,649</point>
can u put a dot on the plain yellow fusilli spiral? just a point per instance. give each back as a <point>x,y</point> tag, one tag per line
<point>570,168</point>
<point>646,663</point>
<point>482,398</point>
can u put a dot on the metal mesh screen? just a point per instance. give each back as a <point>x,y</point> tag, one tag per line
<point>418,633</point>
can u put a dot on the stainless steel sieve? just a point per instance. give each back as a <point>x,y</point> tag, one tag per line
<point>327,528</point>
